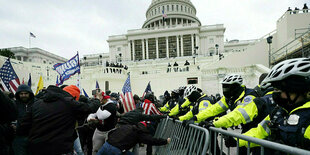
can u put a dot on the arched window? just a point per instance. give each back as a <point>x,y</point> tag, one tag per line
<point>177,8</point>
<point>167,8</point>
<point>181,8</point>
<point>172,8</point>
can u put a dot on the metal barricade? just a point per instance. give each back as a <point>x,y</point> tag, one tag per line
<point>263,143</point>
<point>194,140</point>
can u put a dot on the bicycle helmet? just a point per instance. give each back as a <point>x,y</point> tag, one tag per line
<point>232,79</point>
<point>189,90</point>
<point>284,69</point>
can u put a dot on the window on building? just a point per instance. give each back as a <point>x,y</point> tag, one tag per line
<point>211,40</point>
<point>185,9</point>
<point>177,7</point>
<point>119,49</point>
<point>192,80</point>
<point>181,8</point>
<point>155,11</point>
<point>167,8</point>
<point>172,8</point>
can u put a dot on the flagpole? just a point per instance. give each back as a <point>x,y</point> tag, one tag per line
<point>29,40</point>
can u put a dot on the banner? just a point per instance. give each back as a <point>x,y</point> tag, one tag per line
<point>67,69</point>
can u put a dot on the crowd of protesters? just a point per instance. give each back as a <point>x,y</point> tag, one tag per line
<point>60,121</point>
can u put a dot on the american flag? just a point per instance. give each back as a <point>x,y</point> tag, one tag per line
<point>147,89</point>
<point>126,96</point>
<point>10,80</point>
<point>164,15</point>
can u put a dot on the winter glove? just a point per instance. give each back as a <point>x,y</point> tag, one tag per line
<point>202,124</point>
<point>186,123</point>
<point>209,124</point>
<point>230,141</point>
<point>174,118</point>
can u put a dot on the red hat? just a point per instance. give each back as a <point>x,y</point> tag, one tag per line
<point>143,124</point>
<point>73,90</point>
<point>105,96</point>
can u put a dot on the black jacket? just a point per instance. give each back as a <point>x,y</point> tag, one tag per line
<point>23,107</point>
<point>50,124</point>
<point>136,116</point>
<point>127,136</point>
<point>8,113</point>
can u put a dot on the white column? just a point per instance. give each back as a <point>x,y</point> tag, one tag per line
<point>147,48</point>
<point>133,50</point>
<point>21,58</point>
<point>198,44</point>
<point>143,51</point>
<point>182,22</point>
<point>192,38</point>
<point>129,51</point>
<point>170,21</point>
<point>167,48</point>
<point>157,53</point>
<point>182,50</point>
<point>178,49</point>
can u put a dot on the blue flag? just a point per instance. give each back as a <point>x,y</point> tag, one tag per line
<point>57,82</point>
<point>29,80</point>
<point>67,69</point>
<point>85,93</point>
<point>97,85</point>
<point>147,89</point>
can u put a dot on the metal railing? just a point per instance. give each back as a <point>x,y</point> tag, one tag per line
<point>291,47</point>
<point>263,143</point>
<point>194,140</point>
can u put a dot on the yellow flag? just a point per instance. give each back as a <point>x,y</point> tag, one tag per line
<point>40,85</point>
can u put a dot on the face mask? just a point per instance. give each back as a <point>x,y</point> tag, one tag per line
<point>194,96</point>
<point>276,96</point>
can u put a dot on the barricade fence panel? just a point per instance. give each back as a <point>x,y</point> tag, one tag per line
<point>184,141</point>
<point>272,147</point>
<point>196,140</point>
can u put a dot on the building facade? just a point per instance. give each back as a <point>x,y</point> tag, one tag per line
<point>36,55</point>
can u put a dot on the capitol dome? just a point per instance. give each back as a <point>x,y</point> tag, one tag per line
<point>177,12</point>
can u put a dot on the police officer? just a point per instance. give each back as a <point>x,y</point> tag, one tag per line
<point>172,102</point>
<point>199,102</point>
<point>234,94</point>
<point>289,122</point>
<point>183,106</point>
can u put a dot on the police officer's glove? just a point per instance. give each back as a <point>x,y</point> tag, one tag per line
<point>209,124</point>
<point>202,124</point>
<point>174,118</point>
<point>230,141</point>
<point>188,122</point>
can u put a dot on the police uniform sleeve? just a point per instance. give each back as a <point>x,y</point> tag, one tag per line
<point>174,111</point>
<point>307,133</point>
<point>262,131</point>
<point>185,103</point>
<point>213,110</point>
<point>165,108</point>
<point>243,113</point>
<point>187,116</point>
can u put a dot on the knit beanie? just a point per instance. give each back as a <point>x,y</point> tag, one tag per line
<point>73,90</point>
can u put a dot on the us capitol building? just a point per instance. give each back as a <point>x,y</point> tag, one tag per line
<point>170,36</point>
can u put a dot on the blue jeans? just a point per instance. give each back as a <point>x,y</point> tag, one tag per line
<point>77,147</point>
<point>108,149</point>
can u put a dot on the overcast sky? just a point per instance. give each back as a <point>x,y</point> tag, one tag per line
<point>66,26</point>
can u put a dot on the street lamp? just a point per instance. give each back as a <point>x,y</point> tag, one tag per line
<point>120,57</point>
<point>217,51</point>
<point>269,41</point>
